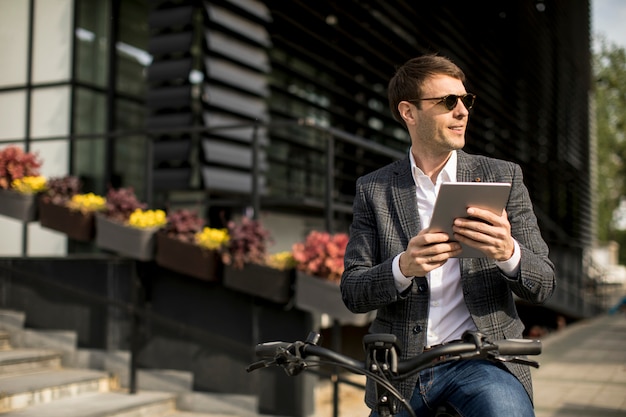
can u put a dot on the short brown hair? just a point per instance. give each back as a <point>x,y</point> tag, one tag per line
<point>408,80</point>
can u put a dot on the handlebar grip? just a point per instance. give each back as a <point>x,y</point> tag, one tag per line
<point>518,347</point>
<point>270,349</point>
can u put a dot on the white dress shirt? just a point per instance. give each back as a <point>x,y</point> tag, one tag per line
<point>448,317</point>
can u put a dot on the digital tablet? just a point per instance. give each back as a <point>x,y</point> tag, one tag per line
<point>454,198</point>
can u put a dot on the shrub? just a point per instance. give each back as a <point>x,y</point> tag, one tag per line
<point>60,190</point>
<point>16,164</point>
<point>248,243</point>
<point>183,224</point>
<point>121,203</point>
<point>321,254</point>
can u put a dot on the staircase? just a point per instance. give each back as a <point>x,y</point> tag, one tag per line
<point>43,374</point>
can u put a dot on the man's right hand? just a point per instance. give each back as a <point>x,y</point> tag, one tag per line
<point>427,251</point>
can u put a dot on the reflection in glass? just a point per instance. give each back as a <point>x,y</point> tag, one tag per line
<point>92,41</point>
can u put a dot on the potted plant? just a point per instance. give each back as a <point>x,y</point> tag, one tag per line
<point>249,269</point>
<point>321,255</point>
<point>19,182</point>
<point>64,209</point>
<point>125,227</point>
<point>186,246</point>
<point>248,243</point>
<point>319,265</point>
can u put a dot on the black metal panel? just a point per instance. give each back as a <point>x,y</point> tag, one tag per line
<point>170,43</point>
<point>176,178</point>
<point>168,98</point>
<point>237,103</point>
<point>236,50</point>
<point>169,71</point>
<point>230,181</point>
<point>169,121</point>
<point>167,150</point>
<point>170,17</point>
<point>237,25</point>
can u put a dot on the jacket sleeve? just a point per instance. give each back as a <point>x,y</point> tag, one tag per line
<point>535,281</point>
<point>367,283</point>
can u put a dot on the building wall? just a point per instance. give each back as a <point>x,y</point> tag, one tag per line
<point>168,97</point>
<point>36,45</point>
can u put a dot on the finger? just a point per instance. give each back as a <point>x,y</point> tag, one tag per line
<point>487,215</point>
<point>427,238</point>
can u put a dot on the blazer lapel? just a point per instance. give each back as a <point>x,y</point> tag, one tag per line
<point>404,200</point>
<point>467,169</point>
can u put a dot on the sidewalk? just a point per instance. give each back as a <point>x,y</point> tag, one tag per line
<point>582,374</point>
<point>583,370</point>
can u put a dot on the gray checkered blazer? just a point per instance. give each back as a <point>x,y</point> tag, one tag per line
<point>386,218</point>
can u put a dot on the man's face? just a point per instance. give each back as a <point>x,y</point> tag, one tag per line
<point>436,128</point>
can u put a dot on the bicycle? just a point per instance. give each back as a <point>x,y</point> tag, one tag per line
<point>382,363</point>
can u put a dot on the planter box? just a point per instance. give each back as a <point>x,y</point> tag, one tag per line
<point>22,207</point>
<point>75,224</point>
<point>125,240</point>
<point>187,258</point>
<point>261,281</point>
<point>321,296</point>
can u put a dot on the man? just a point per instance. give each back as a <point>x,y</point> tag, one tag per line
<point>423,293</point>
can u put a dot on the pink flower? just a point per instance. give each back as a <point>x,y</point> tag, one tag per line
<point>321,254</point>
<point>16,164</point>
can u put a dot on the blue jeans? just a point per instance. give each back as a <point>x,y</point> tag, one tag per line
<point>475,388</point>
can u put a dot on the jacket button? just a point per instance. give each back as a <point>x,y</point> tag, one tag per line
<point>417,329</point>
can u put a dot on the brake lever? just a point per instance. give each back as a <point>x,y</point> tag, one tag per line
<point>293,364</point>
<point>525,361</point>
<point>295,367</point>
<point>518,360</point>
<point>260,364</point>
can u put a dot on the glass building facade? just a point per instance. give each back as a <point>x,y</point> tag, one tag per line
<point>280,105</point>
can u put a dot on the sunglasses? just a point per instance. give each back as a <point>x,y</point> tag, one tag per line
<point>451,100</point>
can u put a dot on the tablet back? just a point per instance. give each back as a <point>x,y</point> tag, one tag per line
<point>454,198</point>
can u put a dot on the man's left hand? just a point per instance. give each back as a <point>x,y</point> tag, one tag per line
<point>486,231</point>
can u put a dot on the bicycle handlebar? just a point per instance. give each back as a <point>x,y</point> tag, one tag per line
<point>283,352</point>
<point>518,346</point>
<point>270,350</point>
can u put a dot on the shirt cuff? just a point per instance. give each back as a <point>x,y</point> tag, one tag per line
<point>402,282</point>
<point>510,267</point>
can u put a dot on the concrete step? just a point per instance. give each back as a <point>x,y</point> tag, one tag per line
<point>5,340</point>
<point>107,404</point>
<point>28,360</point>
<point>28,389</point>
<point>43,374</point>
<point>64,340</point>
<point>12,320</point>
<point>217,403</point>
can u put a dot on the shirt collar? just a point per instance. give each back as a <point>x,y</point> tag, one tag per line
<point>447,174</point>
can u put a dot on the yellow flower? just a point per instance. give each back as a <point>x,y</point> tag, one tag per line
<point>87,202</point>
<point>212,238</point>
<point>145,219</point>
<point>281,260</point>
<point>29,185</point>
